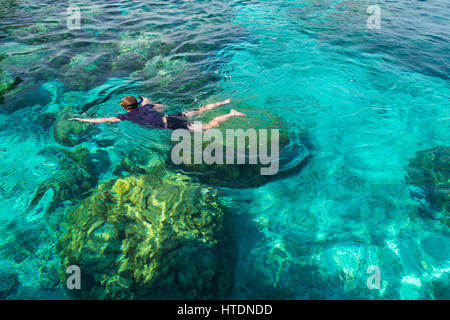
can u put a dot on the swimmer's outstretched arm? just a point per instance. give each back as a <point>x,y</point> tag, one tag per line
<point>96,120</point>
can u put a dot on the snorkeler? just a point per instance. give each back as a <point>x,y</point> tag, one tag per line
<point>149,114</point>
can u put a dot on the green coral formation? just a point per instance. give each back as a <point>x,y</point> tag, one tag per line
<point>7,284</point>
<point>84,71</point>
<point>74,180</point>
<point>71,133</point>
<point>240,175</point>
<point>147,44</point>
<point>139,161</point>
<point>125,62</point>
<point>7,82</point>
<point>46,119</point>
<point>7,85</point>
<point>153,236</point>
<point>135,50</point>
<point>430,170</point>
<point>163,70</point>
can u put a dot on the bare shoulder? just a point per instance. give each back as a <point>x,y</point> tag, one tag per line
<point>145,101</point>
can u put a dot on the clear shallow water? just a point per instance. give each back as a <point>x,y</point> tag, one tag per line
<point>369,100</point>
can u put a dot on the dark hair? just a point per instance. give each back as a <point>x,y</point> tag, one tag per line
<point>129,102</point>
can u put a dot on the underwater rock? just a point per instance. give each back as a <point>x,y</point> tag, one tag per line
<point>21,243</point>
<point>126,63</point>
<point>25,94</point>
<point>46,119</point>
<point>132,164</point>
<point>20,55</point>
<point>274,273</point>
<point>98,161</point>
<point>145,44</point>
<point>139,161</point>
<point>70,133</point>
<point>104,143</point>
<point>41,33</point>
<point>164,70</point>
<point>440,286</point>
<point>293,156</point>
<point>153,236</point>
<point>7,284</point>
<point>7,82</point>
<point>430,171</point>
<point>77,175</point>
<point>85,71</point>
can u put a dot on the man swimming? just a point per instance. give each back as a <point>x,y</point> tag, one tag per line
<point>149,114</point>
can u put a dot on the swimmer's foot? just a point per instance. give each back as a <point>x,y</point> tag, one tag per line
<point>236,113</point>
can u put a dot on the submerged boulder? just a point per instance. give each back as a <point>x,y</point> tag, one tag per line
<point>164,70</point>
<point>70,133</point>
<point>430,171</point>
<point>7,284</point>
<point>45,120</point>
<point>153,236</point>
<point>138,160</point>
<point>77,175</point>
<point>254,171</point>
<point>7,82</point>
<point>146,44</point>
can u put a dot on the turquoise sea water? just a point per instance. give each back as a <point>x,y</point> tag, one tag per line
<point>369,100</point>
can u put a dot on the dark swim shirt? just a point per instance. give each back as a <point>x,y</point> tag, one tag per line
<point>145,116</point>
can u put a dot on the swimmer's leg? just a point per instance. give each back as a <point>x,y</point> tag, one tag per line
<point>218,120</point>
<point>202,109</point>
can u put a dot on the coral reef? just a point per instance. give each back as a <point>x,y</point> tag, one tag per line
<point>138,161</point>
<point>71,133</point>
<point>77,174</point>
<point>18,86</point>
<point>154,236</point>
<point>147,44</point>
<point>7,284</point>
<point>245,175</point>
<point>8,85</point>
<point>45,119</point>
<point>85,71</point>
<point>440,287</point>
<point>24,247</point>
<point>135,49</point>
<point>164,70</point>
<point>126,63</point>
<point>430,171</point>
<point>24,94</point>
<point>7,82</point>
